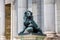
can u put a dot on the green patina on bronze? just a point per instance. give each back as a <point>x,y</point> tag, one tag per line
<point>30,24</point>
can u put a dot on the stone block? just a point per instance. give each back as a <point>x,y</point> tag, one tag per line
<point>51,38</point>
<point>30,37</point>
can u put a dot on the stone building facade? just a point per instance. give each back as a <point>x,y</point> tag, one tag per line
<point>46,15</point>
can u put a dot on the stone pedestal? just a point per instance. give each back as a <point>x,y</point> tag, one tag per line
<point>30,37</point>
<point>51,34</point>
<point>51,38</point>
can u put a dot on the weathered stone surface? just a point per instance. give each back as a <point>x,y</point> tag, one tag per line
<point>30,37</point>
<point>8,21</point>
<point>52,38</point>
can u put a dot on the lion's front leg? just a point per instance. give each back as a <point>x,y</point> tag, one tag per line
<point>22,31</point>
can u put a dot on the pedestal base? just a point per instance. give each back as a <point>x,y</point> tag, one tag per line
<point>51,38</point>
<point>50,34</point>
<point>2,38</point>
<point>30,37</point>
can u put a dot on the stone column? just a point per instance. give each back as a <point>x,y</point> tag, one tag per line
<point>58,17</point>
<point>14,21</point>
<point>42,15</point>
<point>2,20</point>
<point>36,9</point>
<point>22,7</point>
<point>49,17</point>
